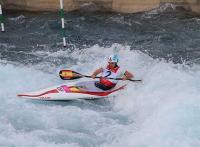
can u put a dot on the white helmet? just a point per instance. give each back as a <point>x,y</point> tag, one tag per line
<point>113,58</point>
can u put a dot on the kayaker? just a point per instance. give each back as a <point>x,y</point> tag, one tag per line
<point>112,70</point>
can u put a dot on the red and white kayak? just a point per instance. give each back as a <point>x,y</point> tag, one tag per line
<point>71,91</point>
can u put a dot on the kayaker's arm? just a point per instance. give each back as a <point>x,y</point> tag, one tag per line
<point>96,72</point>
<point>127,75</point>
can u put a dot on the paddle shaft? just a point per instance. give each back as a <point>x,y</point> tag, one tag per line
<point>111,78</point>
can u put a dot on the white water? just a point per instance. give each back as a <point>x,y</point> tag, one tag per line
<point>163,111</point>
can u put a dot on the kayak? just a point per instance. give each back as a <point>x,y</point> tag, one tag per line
<point>72,91</point>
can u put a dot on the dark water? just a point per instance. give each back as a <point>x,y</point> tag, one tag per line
<point>167,33</point>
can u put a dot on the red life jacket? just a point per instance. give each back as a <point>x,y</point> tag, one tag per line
<point>107,82</point>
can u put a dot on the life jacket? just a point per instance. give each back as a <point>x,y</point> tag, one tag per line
<point>109,73</point>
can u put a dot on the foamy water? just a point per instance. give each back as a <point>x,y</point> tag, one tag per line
<point>163,110</point>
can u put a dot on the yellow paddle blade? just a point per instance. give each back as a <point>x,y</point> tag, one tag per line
<point>69,75</point>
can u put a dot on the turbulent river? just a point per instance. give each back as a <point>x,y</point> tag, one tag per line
<point>161,47</point>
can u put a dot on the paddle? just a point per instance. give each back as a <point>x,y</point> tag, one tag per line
<point>71,75</point>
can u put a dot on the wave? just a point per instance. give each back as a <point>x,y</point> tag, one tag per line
<point>161,111</point>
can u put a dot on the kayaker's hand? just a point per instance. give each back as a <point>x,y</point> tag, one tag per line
<point>124,78</point>
<point>93,76</point>
<point>96,72</point>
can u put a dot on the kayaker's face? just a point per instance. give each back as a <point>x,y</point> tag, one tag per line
<point>111,64</point>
